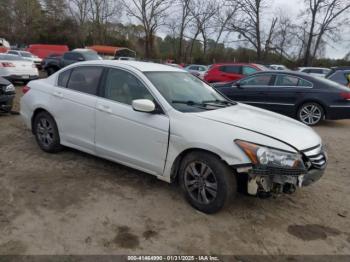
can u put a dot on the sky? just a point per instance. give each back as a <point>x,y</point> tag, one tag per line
<point>333,50</point>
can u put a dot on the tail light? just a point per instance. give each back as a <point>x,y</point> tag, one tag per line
<point>25,89</point>
<point>7,64</point>
<point>345,95</point>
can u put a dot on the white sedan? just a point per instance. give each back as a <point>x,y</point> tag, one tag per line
<point>168,123</point>
<point>15,68</point>
<point>27,56</point>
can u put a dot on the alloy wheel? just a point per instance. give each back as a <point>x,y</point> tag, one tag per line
<point>200,182</point>
<point>310,114</point>
<point>45,132</point>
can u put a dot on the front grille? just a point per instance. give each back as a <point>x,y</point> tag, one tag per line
<point>316,156</point>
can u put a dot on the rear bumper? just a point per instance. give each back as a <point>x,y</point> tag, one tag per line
<point>21,77</point>
<point>338,112</point>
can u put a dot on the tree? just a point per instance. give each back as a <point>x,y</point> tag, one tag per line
<point>151,14</point>
<point>248,24</point>
<point>323,17</point>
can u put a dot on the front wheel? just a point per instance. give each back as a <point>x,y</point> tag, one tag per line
<point>207,182</point>
<point>311,114</point>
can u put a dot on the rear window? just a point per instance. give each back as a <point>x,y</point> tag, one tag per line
<point>63,78</point>
<point>230,69</point>
<point>85,79</point>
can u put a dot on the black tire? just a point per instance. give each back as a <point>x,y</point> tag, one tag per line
<point>311,113</point>
<point>46,133</point>
<point>220,175</point>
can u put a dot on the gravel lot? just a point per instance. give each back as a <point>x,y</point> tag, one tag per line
<point>74,203</point>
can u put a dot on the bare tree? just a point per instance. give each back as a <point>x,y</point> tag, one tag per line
<point>248,25</point>
<point>151,13</point>
<point>225,13</point>
<point>80,10</point>
<point>202,13</point>
<point>323,17</point>
<point>185,19</point>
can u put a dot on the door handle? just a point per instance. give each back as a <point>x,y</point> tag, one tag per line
<point>104,108</point>
<point>58,94</point>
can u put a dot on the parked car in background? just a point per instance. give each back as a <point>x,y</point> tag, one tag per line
<point>15,68</point>
<point>197,70</point>
<point>4,45</point>
<point>27,56</point>
<point>164,121</point>
<point>278,67</point>
<point>231,72</point>
<point>307,98</point>
<point>314,71</point>
<point>44,51</point>
<point>53,64</point>
<point>7,95</point>
<point>340,75</point>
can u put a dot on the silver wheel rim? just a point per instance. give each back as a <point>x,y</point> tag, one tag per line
<point>45,132</point>
<point>201,183</point>
<point>310,114</point>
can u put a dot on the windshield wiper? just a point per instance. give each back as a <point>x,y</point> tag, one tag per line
<point>222,102</point>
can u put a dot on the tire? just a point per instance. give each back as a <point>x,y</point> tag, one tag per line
<point>46,133</point>
<point>197,171</point>
<point>311,114</point>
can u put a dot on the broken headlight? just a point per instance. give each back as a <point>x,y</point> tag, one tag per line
<point>263,156</point>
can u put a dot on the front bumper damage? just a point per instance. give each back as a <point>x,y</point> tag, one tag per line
<point>276,180</point>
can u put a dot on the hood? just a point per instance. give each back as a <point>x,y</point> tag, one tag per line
<point>267,123</point>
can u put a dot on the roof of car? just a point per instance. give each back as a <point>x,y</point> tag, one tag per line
<point>288,72</point>
<point>141,66</point>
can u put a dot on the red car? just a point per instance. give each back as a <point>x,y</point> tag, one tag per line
<point>231,72</point>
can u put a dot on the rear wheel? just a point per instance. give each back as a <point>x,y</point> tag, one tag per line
<point>207,182</point>
<point>311,114</point>
<point>46,133</point>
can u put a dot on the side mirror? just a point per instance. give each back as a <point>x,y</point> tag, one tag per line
<point>238,85</point>
<point>143,105</point>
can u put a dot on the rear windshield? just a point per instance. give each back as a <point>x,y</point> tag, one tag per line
<point>91,56</point>
<point>26,54</point>
<point>10,58</point>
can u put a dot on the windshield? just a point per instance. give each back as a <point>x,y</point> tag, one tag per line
<point>186,92</point>
<point>91,56</point>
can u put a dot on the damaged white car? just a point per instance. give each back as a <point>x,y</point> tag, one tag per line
<point>166,122</point>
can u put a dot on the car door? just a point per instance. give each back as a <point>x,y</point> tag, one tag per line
<point>286,92</point>
<point>254,90</point>
<point>73,103</point>
<point>136,139</point>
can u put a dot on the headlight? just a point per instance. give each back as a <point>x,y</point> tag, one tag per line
<point>9,88</point>
<point>268,157</point>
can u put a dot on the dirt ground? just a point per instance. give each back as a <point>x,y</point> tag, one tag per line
<point>74,203</point>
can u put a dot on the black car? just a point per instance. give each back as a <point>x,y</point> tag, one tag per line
<point>54,63</point>
<point>340,75</point>
<point>7,94</point>
<point>298,95</point>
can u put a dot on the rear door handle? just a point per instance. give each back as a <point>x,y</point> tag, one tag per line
<point>58,94</point>
<point>104,108</point>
